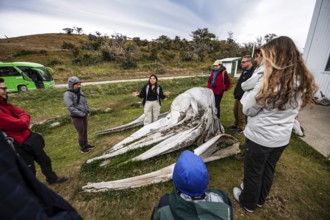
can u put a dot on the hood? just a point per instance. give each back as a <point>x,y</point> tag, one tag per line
<point>71,81</point>
<point>190,174</point>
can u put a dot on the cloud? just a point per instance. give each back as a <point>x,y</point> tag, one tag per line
<point>149,19</point>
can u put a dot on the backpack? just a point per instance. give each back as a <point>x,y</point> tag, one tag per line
<point>228,80</point>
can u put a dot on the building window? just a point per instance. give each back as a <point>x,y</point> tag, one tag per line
<point>327,68</point>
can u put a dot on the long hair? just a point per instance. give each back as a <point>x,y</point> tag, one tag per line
<point>286,77</point>
<point>153,75</point>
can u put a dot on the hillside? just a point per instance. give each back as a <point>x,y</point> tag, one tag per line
<point>96,57</point>
<point>38,42</point>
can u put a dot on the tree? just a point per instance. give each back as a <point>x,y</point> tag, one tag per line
<point>269,37</point>
<point>232,48</point>
<point>259,41</point>
<point>78,30</point>
<point>230,36</point>
<point>68,30</point>
<point>163,42</point>
<point>201,39</point>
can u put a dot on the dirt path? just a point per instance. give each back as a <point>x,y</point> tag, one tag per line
<point>128,80</point>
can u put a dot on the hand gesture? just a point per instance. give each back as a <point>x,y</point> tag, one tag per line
<point>167,94</point>
<point>135,93</point>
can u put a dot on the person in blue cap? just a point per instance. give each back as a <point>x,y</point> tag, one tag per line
<point>190,199</point>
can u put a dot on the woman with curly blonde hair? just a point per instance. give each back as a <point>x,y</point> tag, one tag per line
<point>271,105</point>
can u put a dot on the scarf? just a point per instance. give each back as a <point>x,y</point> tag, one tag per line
<point>215,75</point>
<point>77,92</point>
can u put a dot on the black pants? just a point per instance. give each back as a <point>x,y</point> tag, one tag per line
<point>217,99</point>
<point>259,169</point>
<point>30,155</point>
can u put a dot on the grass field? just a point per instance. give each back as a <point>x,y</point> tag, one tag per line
<point>301,188</point>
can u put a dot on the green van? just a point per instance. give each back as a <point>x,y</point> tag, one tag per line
<point>24,76</point>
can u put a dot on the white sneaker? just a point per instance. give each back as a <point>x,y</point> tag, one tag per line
<point>237,192</point>
<point>260,206</point>
<point>248,210</point>
<point>242,186</point>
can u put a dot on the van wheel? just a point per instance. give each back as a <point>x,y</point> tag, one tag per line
<point>22,89</point>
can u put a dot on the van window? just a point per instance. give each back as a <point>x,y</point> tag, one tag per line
<point>46,76</point>
<point>8,71</point>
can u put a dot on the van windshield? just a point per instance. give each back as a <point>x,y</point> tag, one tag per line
<point>46,76</point>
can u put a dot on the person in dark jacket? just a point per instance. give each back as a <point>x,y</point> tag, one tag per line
<point>218,83</point>
<point>15,122</point>
<point>191,199</point>
<point>151,93</point>
<point>22,196</point>
<point>248,69</point>
<point>79,110</point>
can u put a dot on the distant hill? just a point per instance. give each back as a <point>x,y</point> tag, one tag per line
<point>96,57</point>
<point>50,42</point>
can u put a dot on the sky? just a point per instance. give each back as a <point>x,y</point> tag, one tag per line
<point>149,19</point>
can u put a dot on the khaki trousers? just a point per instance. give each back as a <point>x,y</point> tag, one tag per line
<point>239,115</point>
<point>151,111</point>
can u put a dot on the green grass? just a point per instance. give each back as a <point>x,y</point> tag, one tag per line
<point>301,188</point>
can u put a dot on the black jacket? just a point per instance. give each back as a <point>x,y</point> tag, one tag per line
<point>245,75</point>
<point>22,196</point>
<point>145,91</point>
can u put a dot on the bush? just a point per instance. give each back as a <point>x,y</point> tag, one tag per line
<point>186,56</point>
<point>30,52</point>
<point>55,62</point>
<point>108,55</point>
<point>128,63</point>
<point>67,45</point>
<point>86,60</point>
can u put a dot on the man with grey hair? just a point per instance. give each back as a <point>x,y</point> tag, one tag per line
<point>240,120</point>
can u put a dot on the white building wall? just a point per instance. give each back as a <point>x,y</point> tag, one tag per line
<point>317,47</point>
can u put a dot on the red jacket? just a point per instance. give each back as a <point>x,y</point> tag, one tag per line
<point>221,84</point>
<point>14,121</point>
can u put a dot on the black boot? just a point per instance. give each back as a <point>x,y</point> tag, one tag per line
<point>90,146</point>
<point>84,149</point>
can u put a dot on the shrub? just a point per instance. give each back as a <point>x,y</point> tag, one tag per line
<point>128,63</point>
<point>67,45</point>
<point>30,52</point>
<point>55,62</point>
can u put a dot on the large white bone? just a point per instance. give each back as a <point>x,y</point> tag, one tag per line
<point>184,109</point>
<point>208,151</point>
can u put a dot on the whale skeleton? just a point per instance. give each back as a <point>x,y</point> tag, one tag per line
<point>191,121</point>
<point>209,151</point>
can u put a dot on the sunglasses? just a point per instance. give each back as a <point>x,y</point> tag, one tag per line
<point>3,88</point>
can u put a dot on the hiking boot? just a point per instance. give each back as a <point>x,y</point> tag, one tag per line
<point>90,146</point>
<point>232,127</point>
<point>60,179</point>
<point>84,150</point>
